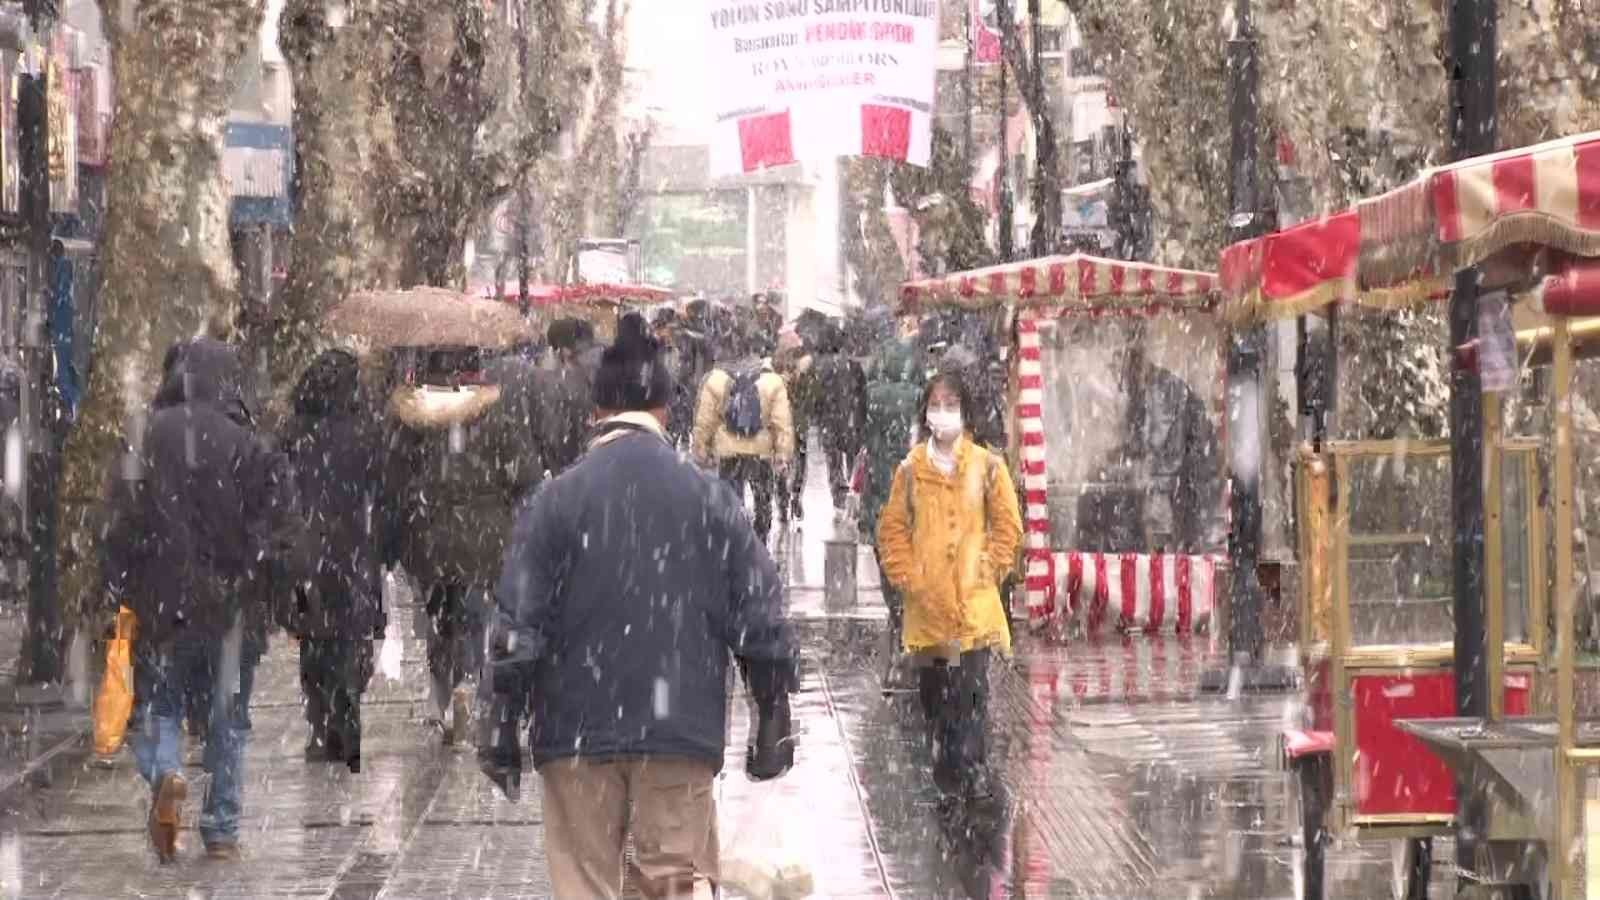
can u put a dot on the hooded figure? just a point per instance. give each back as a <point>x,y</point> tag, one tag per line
<point>337,611</point>
<point>460,460</point>
<point>894,392</point>
<point>202,507</point>
<point>566,414</point>
<point>628,583</point>
<point>840,409</point>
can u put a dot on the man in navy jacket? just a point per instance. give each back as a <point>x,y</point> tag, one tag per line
<point>629,583</point>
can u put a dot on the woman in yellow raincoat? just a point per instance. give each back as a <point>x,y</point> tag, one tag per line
<point>947,536</point>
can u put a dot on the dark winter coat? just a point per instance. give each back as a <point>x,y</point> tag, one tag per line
<point>459,461</point>
<point>894,392</point>
<point>628,583</point>
<point>336,451</point>
<point>205,509</point>
<point>840,410</point>
<point>565,414</point>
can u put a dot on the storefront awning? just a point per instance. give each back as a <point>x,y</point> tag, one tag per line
<point>1402,246</point>
<point>1089,282</point>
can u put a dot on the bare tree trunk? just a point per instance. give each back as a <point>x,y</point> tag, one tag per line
<point>592,170</point>
<point>342,138</point>
<point>169,270</point>
<point>869,245</point>
<point>1047,161</point>
<point>949,224</point>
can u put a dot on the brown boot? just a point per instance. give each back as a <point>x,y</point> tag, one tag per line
<point>223,851</point>
<point>166,815</point>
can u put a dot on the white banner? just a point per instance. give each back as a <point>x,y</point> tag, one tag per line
<point>814,80</point>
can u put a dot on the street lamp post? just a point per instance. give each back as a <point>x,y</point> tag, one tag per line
<point>1246,355</point>
<point>1471,69</point>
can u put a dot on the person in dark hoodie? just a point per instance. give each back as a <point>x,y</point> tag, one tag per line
<point>840,410</point>
<point>894,392</point>
<point>209,506</point>
<point>460,459</point>
<point>628,583</point>
<point>566,413</point>
<point>336,452</point>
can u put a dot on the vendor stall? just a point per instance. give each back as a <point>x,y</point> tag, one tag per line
<point>1117,430</point>
<point>1375,529</point>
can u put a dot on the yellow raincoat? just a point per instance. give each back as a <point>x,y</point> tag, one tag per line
<point>946,542</point>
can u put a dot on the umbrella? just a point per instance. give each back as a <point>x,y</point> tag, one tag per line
<point>428,317</point>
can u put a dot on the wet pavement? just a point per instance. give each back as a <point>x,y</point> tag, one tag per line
<point>1125,784</point>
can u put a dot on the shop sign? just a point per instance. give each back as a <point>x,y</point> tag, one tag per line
<point>91,125</point>
<point>61,96</point>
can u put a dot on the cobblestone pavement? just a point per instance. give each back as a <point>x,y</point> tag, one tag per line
<point>1125,783</point>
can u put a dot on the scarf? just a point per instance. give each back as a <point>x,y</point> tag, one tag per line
<point>624,424</point>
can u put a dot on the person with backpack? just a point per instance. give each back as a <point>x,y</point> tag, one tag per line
<point>947,537</point>
<point>743,427</point>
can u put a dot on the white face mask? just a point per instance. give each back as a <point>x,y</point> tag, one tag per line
<point>945,423</point>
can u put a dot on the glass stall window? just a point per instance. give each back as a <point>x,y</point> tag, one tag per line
<point>1132,418</point>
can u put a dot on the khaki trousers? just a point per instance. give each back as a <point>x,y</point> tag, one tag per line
<point>664,804</point>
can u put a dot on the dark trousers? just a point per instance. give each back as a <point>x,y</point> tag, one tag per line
<point>839,451</point>
<point>796,486</point>
<point>955,699</point>
<point>758,473</point>
<point>456,615</point>
<point>334,674</point>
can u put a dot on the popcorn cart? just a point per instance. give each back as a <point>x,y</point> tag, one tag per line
<point>1380,751</point>
<point>1116,434</point>
<point>600,304</point>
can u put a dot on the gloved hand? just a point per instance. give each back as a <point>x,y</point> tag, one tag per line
<point>770,752</point>
<point>500,745</point>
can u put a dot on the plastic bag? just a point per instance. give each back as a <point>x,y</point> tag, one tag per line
<point>113,704</point>
<point>766,855</point>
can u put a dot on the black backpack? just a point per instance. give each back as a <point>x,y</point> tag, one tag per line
<point>742,413</point>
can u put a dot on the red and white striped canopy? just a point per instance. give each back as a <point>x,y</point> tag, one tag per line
<point>1088,282</point>
<point>1402,246</point>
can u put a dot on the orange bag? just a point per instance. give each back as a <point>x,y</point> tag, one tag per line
<point>113,704</point>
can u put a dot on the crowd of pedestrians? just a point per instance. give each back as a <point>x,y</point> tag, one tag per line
<point>578,532</point>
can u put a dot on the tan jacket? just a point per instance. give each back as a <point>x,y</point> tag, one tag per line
<point>712,440</point>
<point>947,541</point>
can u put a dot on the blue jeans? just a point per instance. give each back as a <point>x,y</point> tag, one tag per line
<point>170,680</point>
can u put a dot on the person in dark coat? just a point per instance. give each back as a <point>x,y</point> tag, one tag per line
<point>186,550</point>
<point>566,410</point>
<point>628,583</point>
<point>460,459</point>
<point>894,397</point>
<point>336,451</point>
<point>840,412</point>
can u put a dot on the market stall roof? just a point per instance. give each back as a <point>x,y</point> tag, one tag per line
<point>427,317</point>
<point>559,294</point>
<point>1402,246</point>
<point>1089,282</point>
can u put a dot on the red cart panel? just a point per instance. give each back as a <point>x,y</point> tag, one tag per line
<point>1394,772</point>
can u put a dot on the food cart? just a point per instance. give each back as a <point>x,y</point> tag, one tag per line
<point>599,303</point>
<point>1379,752</point>
<point>1116,368</point>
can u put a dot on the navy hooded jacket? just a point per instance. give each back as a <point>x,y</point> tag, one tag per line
<point>628,584</point>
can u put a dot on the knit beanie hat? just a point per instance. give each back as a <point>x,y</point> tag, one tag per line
<point>630,378</point>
